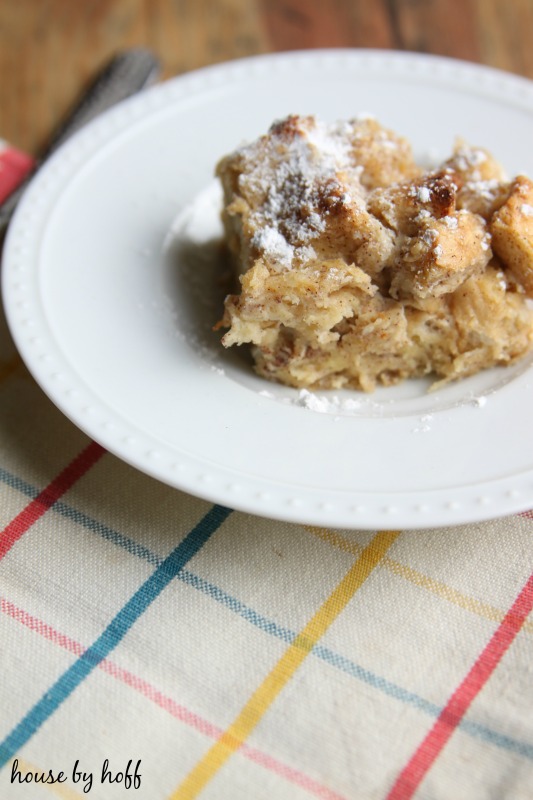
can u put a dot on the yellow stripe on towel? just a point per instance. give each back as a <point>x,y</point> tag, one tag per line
<point>263,697</point>
<point>417,578</point>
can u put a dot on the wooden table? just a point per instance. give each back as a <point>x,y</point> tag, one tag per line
<point>49,49</point>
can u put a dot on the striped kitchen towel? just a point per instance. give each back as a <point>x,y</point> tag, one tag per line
<point>156,646</point>
<point>14,167</point>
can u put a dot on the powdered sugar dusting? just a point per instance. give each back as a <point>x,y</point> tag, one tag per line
<point>450,222</point>
<point>270,240</point>
<point>487,189</point>
<point>468,159</point>
<point>313,401</point>
<point>301,160</point>
<point>327,405</point>
<point>347,404</point>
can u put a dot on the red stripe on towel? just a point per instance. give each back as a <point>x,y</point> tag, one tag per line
<point>45,499</point>
<point>167,703</point>
<point>424,757</point>
<point>14,167</point>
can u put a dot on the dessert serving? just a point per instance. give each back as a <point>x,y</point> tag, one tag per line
<point>357,267</point>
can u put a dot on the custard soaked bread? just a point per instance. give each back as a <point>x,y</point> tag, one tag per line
<point>357,267</point>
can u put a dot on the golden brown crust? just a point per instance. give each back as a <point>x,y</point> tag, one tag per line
<point>512,232</point>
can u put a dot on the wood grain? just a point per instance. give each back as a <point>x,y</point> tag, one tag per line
<point>50,49</point>
<point>299,24</point>
<point>428,26</point>
<point>505,31</point>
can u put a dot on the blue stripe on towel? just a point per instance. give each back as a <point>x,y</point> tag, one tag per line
<point>113,634</point>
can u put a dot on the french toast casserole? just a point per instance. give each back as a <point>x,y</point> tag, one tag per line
<point>358,267</point>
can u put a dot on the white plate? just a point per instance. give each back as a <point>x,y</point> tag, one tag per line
<point>111,302</point>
